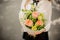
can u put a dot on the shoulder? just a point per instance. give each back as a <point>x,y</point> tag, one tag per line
<point>44,2</point>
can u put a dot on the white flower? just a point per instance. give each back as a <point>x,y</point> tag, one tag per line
<point>28,7</point>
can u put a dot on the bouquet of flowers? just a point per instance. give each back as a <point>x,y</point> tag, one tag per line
<point>34,20</point>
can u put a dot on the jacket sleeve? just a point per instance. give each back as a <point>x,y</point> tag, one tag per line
<point>23,29</point>
<point>49,11</point>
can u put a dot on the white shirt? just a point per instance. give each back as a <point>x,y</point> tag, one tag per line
<point>43,6</point>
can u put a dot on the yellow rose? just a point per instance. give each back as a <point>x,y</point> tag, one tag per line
<point>39,17</point>
<point>34,28</point>
<point>41,14</point>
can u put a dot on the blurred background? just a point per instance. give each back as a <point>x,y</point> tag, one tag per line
<point>10,28</point>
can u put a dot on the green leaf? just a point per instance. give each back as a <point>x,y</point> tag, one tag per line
<point>40,27</point>
<point>30,17</point>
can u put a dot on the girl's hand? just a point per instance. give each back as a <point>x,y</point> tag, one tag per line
<point>39,32</point>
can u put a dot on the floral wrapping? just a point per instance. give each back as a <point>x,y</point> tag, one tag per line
<point>33,19</point>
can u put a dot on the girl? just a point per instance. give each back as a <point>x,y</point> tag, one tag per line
<point>41,6</point>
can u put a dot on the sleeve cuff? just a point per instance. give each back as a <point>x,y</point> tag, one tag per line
<point>47,27</point>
